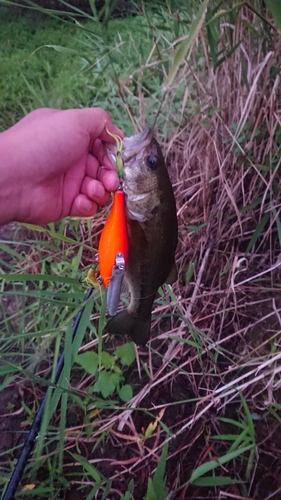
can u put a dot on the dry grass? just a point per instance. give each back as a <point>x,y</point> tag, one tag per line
<point>225,164</point>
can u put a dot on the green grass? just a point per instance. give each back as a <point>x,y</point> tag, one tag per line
<point>196,413</point>
<point>31,74</point>
<point>48,62</point>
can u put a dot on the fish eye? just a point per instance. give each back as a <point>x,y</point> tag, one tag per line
<point>152,161</point>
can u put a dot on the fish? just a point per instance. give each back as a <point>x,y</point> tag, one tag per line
<point>152,230</point>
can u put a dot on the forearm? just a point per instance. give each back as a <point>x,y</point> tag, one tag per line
<point>10,193</point>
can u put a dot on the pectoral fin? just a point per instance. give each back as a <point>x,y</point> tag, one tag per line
<point>173,275</point>
<point>136,216</point>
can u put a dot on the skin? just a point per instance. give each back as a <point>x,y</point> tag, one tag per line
<point>53,165</point>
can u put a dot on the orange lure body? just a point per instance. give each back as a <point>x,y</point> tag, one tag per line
<point>114,238</point>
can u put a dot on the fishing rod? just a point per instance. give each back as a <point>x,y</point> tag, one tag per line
<point>35,427</point>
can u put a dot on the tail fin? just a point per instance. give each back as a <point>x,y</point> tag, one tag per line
<point>126,324</point>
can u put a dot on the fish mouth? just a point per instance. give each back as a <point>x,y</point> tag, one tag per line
<point>132,146</point>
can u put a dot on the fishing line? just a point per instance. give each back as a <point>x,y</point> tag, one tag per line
<point>120,90</point>
<point>159,109</point>
<point>35,427</point>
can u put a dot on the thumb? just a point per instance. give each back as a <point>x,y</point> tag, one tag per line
<point>96,121</point>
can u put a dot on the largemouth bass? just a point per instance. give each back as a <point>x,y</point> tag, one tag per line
<point>152,230</point>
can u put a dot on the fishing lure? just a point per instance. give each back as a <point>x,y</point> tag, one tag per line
<point>113,247</point>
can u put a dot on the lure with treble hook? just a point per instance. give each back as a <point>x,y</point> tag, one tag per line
<point>113,247</point>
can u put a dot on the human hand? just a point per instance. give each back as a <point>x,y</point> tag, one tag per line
<point>54,164</point>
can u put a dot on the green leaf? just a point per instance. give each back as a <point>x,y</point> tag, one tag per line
<point>277,220</point>
<point>224,437</point>
<point>106,359</point>
<point>231,421</point>
<point>254,204</point>
<point>56,236</point>
<point>126,353</point>
<point>195,229</point>
<point>186,44</point>
<point>156,487</point>
<point>94,473</point>
<point>257,232</point>
<point>60,48</point>
<point>189,273</point>
<point>39,277</point>
<point>275,8</point>
<point>242,438</point>
<point>125,392</point>
<point>158,478</point>
<point>215,481</point>
<point>106,490</point>
<point>151,493</point>
<point>88,361</point>
<point>106,383</point>
<point>213,464</point>
<point>7,249</point>
<point>250,426</point>
<point>184,341</point>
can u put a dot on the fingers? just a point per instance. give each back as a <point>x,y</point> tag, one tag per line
<point>96,121</point>
<point>92,165</point>
<point>107,176</point>
<point>109,179</point>
<point>100,152</point>
<point>83,207</point>
<point>94,190</point>
<point>93,193</point>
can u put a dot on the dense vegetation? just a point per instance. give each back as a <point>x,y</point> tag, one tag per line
<point>102,8</point>
<point>196,414</point>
